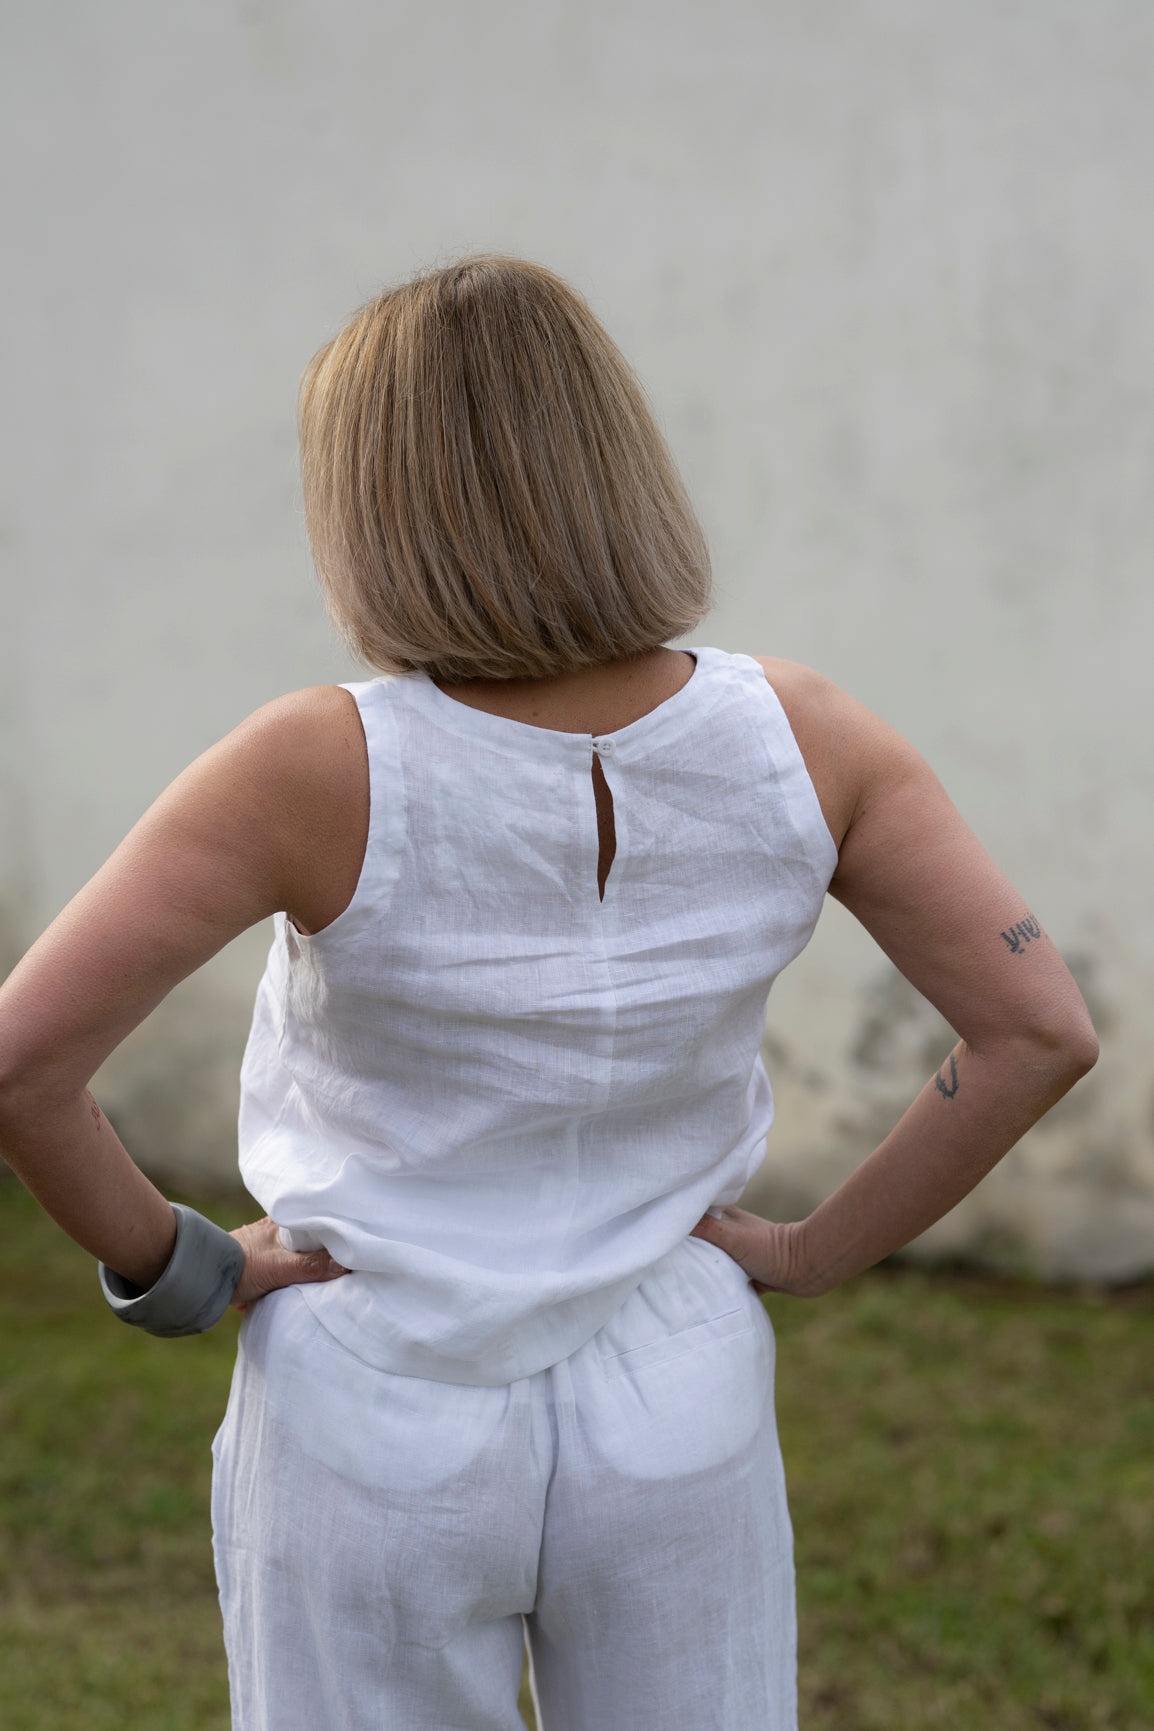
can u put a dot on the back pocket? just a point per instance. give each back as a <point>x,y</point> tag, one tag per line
<point>700,1335</point>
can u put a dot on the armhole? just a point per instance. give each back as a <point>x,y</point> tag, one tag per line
<point>817,828</point>
<point>385,837</point>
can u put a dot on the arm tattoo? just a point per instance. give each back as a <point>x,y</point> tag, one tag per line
<point>1020,935</point>
<point>97,1119</point>
<point>947,1088</point>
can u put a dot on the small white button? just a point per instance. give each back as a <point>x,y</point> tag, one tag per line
<point>606,747</point>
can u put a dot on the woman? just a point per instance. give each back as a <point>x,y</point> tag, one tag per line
<point>531,890</point>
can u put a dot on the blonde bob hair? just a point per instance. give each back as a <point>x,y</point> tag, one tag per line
<point>487,494</point>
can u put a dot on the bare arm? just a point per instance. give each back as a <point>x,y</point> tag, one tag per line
<point>272,818</point>
<point>918,880</point>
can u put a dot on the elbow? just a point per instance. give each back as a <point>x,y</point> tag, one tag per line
<point>1055,1052</point>
<point>15,1107</point>
<point>1078,1042</point>
<point>1082,1056</point>
<point>11,1087</point>
<point>1070,1048</point>
<point>1083,1053</point>
<point>27,1090</point>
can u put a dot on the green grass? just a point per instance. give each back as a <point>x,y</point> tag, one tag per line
<point>971,1467</point>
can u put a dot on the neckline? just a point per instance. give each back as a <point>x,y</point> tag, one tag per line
<point>518,736</point>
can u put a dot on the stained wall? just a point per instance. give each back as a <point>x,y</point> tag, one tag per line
<point>887,271</point>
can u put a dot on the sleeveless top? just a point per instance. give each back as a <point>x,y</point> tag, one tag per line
<point>497,1098</point>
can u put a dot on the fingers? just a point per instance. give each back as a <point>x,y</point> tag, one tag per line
<point>269,1266</point>
<point>314,1265</point>
<point>758,1246</point>
<point>729,1230</point>
<point>728,1234</point>
<point>296,1268</point>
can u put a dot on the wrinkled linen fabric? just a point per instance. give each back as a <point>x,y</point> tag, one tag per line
<point>536,1406</point>
<point>385,1542</point>
<point>494,1096</point>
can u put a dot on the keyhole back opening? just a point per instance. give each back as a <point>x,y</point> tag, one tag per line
<point>606,831</point>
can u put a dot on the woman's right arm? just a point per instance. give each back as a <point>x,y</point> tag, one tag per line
<point>271,818</point>
<point>922,885</point>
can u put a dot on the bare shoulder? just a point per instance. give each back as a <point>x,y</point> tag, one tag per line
<point>308,736</point>
<point>274,817</point>
<point>278,809</point>
<point>847,748</point>
<point>303,762</point>
<point>910,869</point>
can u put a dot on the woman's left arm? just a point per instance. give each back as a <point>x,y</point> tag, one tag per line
<point>248,830</point>
<point>921,884</point>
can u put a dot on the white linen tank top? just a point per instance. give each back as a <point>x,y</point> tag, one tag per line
<point>497,1098</point>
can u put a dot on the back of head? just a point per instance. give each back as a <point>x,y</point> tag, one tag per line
<point>487,493</point>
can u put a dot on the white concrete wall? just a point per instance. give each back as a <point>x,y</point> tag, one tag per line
<point>887,270</point>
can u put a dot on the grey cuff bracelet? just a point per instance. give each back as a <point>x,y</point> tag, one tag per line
<point>195,1289</point>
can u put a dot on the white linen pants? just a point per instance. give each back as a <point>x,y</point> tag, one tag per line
<point>384,1543</point>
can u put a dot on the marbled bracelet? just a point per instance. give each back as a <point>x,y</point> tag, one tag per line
<point>196,1287</point>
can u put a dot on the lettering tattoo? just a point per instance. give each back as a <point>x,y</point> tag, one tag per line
<point>1021,935</point>
<point>97,1117</point>
<point>947,1088</point>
